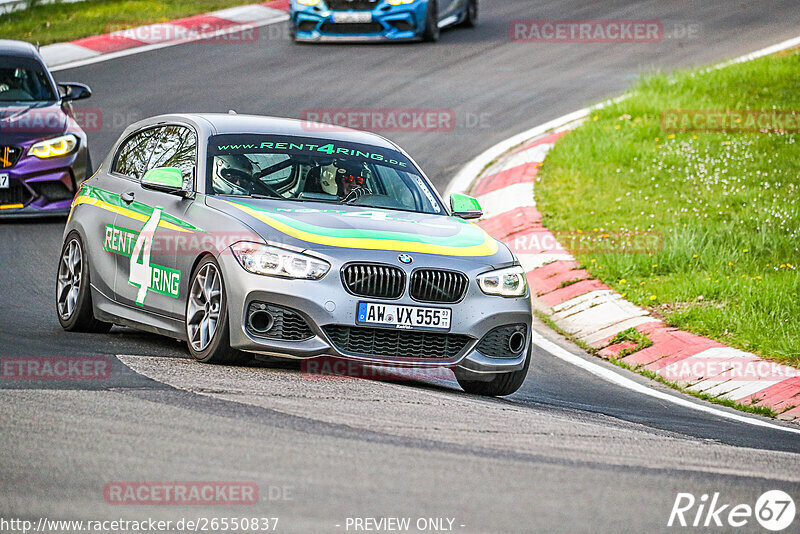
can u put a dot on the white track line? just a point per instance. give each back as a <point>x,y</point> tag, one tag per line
<point>789,43</point>
<point>280,16</point>
<point>619,380</point>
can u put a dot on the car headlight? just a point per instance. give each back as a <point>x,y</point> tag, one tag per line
<point>508,282</point>
<point>273,261</point>
<point>308,2</point>
<point>54,148</point>
<point>399,2</point>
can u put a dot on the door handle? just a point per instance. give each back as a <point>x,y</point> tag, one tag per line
<point>127,197</point>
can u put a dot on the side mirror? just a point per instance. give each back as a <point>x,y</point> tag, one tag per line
<point>465,206</point>
<point>75,91</point>
<point>165,179</point>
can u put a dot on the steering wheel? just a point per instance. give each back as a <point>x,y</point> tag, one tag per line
<point>255,184</point>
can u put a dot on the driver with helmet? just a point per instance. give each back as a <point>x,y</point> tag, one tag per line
<point>345,179</point>
<point>233,175</point>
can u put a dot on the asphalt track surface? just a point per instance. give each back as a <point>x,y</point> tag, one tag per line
<point>569,452</point>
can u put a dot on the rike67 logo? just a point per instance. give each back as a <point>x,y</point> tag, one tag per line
<point>774,510</point>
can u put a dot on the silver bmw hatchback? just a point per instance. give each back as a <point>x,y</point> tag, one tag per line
<point>251,235</point>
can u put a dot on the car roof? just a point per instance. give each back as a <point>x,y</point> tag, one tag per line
<point>226,123</point>
<point>18,48</point>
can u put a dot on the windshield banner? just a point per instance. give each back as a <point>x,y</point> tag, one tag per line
<point>305,146</point>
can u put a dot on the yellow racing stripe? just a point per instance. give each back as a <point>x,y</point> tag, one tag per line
<point>124,212</point>
<point>487,248</point>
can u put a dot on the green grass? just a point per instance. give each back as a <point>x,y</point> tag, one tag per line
<point>640,341</point>
<point>725,205</point>
<point>53,23</point>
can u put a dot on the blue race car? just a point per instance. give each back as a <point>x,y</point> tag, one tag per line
<point>378,20</point>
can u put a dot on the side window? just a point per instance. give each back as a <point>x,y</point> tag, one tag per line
<point>133,155</point>
<point>176,147</point>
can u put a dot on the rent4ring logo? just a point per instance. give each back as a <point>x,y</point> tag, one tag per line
<point>143,274</point>
<point>774,510</point>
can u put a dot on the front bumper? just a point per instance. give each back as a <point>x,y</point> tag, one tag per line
<point>42,187</point>
<point>325,303</point>
<point>389,23</point>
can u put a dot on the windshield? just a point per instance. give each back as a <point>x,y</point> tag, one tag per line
<point>24,80</point>
<point>317,170</point>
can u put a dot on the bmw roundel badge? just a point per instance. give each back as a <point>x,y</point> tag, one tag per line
<point>405,258</point>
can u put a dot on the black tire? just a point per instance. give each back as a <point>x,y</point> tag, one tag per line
<point>471,17</point>
<point>74,309</point>
<point>218,350</point>
<point>432,31</point>
<point>500,385</point>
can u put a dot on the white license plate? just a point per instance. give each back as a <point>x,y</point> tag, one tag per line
<point>404,316</point>
<point>3,180</point>
<point>346,16</point>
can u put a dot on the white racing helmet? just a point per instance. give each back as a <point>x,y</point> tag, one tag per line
<point>232,173</point>
<point>327,179</point>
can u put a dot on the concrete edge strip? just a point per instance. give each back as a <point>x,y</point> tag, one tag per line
<point>500,158</point>
<point>72,54</point>
<point>622,381</point>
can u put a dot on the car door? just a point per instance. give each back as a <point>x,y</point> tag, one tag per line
<point>96,205</point>
<point>105,241</point>
<point>149,278</point>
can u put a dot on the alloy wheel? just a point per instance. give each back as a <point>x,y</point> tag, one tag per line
<point>70,271</point>
<point>205,306</point>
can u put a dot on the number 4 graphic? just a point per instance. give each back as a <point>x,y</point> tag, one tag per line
<point>141,273</point>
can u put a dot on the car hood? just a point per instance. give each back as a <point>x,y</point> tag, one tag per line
<point>22,122</point>
<point>326,228</point>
